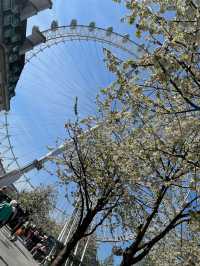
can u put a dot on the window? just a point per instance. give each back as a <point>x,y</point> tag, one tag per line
<point>15,49</point>
<point>16,38</point>
<point>7,4</point>
<point>15,21</point>
<point>7,20</point>
<point>8,33</point>
<point>12,58</point>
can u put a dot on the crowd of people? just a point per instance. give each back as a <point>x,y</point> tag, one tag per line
<point>22,227</point>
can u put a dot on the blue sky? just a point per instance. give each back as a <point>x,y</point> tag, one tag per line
<point>49,84</point>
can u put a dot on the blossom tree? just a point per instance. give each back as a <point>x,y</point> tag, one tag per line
<point>89,171</point>
<point>140,165</point>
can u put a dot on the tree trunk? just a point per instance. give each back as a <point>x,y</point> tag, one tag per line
<point>78,235</point>
<point>128,259</point>
<point>65,252</point>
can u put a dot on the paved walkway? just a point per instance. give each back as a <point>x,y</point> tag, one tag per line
<point>13,254</point>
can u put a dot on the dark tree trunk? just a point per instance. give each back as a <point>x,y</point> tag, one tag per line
<point>65,252</point>
<point>126,262</point>
<point>128,258</point>
<point>78,235</point>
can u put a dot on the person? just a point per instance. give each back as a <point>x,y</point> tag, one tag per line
<point>36,238</point>
<point>27,226</point>
<point>39,252</point>
<point>29,236</point>
<point>19,227</point>
<point>3,196</point>
<point>36,247</point>
<point>43,242</point>
<point>13,216</point>
<point>6,210</point>
<point>2,189</point>
<point>33,238</point>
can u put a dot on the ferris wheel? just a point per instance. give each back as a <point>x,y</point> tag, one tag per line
<point>56,37</point>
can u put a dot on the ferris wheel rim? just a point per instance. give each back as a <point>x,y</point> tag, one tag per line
<point>76,34</point>
<point>94,28</point>
<point>85,38</point>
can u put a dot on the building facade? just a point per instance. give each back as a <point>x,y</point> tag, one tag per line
<point>13,22</point>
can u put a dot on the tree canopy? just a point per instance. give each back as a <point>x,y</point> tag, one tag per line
<point>40,202</point>
<point>141,160</point>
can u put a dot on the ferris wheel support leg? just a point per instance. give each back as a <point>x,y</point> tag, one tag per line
<point>11,177</point>
<point>84,251</point>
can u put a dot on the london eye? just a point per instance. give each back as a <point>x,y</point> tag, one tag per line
<point>70,63</point>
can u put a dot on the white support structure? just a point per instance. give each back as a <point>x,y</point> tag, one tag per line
<point>32,7</point>
<point>11,177</point>
<point>14,175</point>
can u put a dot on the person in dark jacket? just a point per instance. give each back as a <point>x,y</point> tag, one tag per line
<point>6,211</point>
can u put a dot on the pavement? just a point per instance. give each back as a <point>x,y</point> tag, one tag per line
<point>13,254</point>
